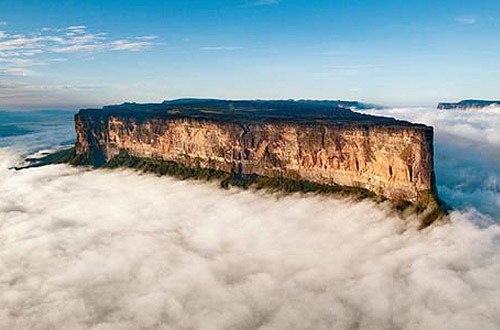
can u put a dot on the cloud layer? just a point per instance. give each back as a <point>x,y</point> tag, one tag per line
<point>114,249</point>
<point>117,250</point>
<point>26,58</point>
<point>20,51</point>
<point>258,3</point>
<point>467,148</point>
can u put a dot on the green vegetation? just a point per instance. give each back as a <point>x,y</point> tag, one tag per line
<point>429,208</point>
<point>432,208</point>
<point>233,179</point>
<point>66,156</point>
<point>162,167</point>
<point>246,112</point>
<point>62,156</point>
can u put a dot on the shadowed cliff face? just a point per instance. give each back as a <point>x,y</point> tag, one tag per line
<point>391,158</point>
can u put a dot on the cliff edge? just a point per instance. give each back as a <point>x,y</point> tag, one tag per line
<point>297,140</point>
<point>468,104</point>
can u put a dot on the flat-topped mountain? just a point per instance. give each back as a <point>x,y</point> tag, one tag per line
<point>353,105</point>
<point>468,104</point>
<point>299,141</point>
<point>252,111</point>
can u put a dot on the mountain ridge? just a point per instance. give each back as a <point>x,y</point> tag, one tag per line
<point>467,104</point>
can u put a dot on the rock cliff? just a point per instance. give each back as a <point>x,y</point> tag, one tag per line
<point>302,140</point>
<point>468,104</point>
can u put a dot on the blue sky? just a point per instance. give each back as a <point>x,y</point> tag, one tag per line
<point>71,54</point>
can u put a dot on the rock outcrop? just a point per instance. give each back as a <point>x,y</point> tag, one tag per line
<point>301,140</point>
<point>468,104</point>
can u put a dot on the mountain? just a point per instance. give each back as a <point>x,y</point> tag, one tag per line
<point>468,104</point>
<point>299,140</point>
<point>353,105</point>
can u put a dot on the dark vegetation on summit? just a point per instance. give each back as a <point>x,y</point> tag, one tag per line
<point>468,104</point>
<point>248,112</point>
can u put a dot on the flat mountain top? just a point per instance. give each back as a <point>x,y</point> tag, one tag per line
<point>249,111</point>
<point>467,104</point>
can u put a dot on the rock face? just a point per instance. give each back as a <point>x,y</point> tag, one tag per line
<point>299,140</point>
<point>468,104</point>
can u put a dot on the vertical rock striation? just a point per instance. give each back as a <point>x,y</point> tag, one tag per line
<point>297,140</point>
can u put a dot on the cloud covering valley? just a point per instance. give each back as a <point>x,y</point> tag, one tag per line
<point>104,249</point>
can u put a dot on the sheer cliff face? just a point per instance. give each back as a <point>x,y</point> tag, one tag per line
<point>391,160</point>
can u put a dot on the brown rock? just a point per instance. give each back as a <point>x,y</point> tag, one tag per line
<point>393,159</point>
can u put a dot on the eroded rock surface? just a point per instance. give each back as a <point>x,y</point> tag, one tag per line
<point>299,140</point>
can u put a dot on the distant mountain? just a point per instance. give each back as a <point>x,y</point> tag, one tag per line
<point>353,105</point>
<point>468,104</point>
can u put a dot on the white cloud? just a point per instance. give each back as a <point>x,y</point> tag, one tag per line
<point>19,42</point>
<point>14,48</point>
<point>8,71</point>
<point>467,153</point>
<point>147,38</point>
<point>59,59</point>
<point>3,23</point>
<point>115,249</point>
<point>22,62</point>
<point>467,20</point>
<point>220,48</point>
<point>78,48</point>
<point>82,39</point>
<point>129,45</point>
<point>115,45</point>
<point>77,27</point>
<point>264,3</point>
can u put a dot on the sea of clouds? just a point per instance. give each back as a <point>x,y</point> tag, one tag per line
<point>103,249</point>
<point>467,154</point>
